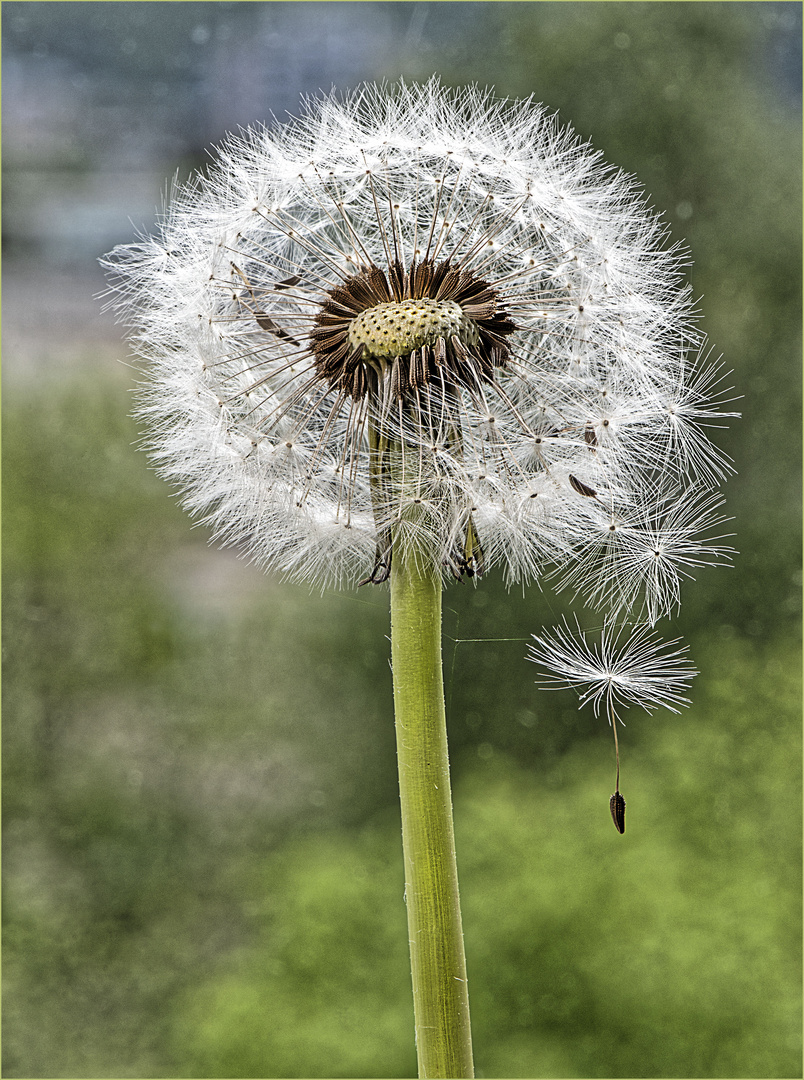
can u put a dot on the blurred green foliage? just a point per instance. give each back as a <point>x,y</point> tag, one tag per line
<point>203,870</point>
<point>581,947</point>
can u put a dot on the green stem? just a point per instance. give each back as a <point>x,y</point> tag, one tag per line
<point>438,967</point>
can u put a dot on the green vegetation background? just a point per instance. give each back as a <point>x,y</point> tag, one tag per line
<point>203,861</point>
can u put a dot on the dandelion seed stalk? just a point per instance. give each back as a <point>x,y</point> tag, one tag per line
<point>438,967</point>
<point>412,335</point>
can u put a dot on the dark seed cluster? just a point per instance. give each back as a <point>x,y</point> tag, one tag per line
<point>455,335</point>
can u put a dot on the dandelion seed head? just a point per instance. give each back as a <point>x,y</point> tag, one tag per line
<point>403,322</point>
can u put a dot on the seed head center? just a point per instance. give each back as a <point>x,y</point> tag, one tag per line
<point>399,327</point>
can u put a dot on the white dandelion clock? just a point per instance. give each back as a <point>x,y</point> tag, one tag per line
<point>396,319</point>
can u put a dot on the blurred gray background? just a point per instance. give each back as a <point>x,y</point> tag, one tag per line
<point>202,859</point>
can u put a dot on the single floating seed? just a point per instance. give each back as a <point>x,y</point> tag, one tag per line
<point>617,807</point>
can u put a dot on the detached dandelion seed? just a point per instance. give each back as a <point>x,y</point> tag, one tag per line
<point>623,668</point>
<point>409,336</point>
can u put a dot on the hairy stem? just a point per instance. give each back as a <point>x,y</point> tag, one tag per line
<point>438,967</point>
